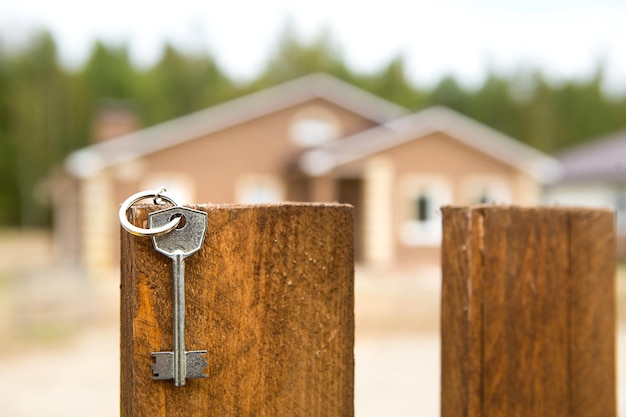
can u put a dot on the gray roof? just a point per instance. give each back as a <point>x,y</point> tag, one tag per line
<point>416,126</point>
<point>600,160</point>
<point>87,161</point>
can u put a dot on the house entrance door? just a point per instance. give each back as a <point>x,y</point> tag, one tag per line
<point>350,191</point>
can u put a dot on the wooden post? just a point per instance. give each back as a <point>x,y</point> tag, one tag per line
<point>271,297</point>
<point>528,312</point>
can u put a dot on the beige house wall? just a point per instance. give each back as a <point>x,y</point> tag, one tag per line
<point>97,235</point>
<point>216,162</point>
<point>378,212</point>
<point>67,243</point>
<point>449,164</point>
<point>527,190</point>
<point>209,169</point>
<point>218,168</point>
<point>323,189</point>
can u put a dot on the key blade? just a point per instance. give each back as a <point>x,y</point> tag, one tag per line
<point>163,365</point>
<point>196,362</point>
<point>186,239</point>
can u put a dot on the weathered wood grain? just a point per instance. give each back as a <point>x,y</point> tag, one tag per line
<point>460,370</point>
<point>593,322</point>
<point>269,295</point>
<point>528,312</point>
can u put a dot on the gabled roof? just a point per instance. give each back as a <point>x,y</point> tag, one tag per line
<point>89,160</point>
<point>601,160</point>
<point>418,125</point>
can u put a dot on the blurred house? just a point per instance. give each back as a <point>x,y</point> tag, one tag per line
<point>312,139</point>
<point>594,175</point>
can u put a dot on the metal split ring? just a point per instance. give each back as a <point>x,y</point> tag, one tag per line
<point>153,231</point>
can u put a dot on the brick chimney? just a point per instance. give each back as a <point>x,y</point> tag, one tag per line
<point>113,118</point>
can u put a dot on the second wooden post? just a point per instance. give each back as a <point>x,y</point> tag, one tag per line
<point>528,312</point>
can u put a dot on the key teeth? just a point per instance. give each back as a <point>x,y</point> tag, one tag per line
<point>196,363</point>
<point>163,366</point>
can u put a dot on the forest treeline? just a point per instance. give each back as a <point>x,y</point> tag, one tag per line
<point>46,109</point>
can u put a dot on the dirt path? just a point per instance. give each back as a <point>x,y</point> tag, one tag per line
<point>396,356</point>
<point>80,378</point>
<point>395,376</point>
<point>396,353</point>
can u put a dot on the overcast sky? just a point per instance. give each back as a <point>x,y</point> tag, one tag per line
<point>565,38</point>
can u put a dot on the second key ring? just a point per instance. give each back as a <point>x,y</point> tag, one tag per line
<point>140,231</point>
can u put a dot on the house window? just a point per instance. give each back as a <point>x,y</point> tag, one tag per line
<point>311,132</point>
<point>486,189</point>
<point>260,193</point>
<point>422,204</point>
<point>257,189</point>
<point>484,198</point>
<point>313,126</point>
<point>426,195</point>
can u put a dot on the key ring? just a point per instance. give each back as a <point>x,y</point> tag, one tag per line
<point>139,231</point>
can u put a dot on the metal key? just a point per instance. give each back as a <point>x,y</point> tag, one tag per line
<point>177,245</point>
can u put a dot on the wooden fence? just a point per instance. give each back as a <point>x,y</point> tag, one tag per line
<point>528,314</point>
